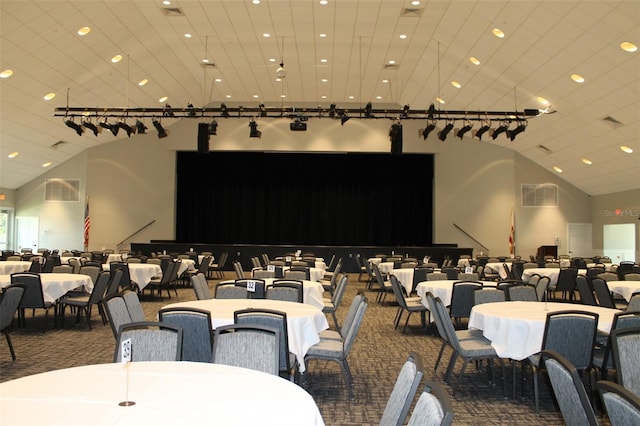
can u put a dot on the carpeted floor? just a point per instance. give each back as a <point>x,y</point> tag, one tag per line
<point>377,356</point>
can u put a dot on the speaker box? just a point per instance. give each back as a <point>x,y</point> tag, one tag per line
<point>203,138</point>
<point>395,134</point>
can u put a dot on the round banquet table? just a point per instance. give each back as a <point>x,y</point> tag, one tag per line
<point>304,322</point>
<point>624,288</point>
<point>141,273</point>
<point>311,291</point>
<point>441,289</point>
<point>8,267</point>
<point>516,329</point>
<point>552,273</point>
<point>56,285</point>
<point>165,393</point>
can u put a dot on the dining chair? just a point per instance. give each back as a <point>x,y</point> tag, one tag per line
<point>331,305</point>
<point>33,297</point>
<point>408,304</point>
<point>247,346</point>
<point>218,268</point>
<point>288,363</point>
<point>62,269</point>
<point>488,295</point>
<point>405,388</point>
<point>622,405</point>
<point>569,390</point>
<point>297,273</point>
<point>262,274</point>
<point>522,292</point>
<point>11,297</point>
<point>255,288</point>
<point>341,333</point>
<point>436,276</point>
<point>150,341</point>
<point>571,333</point>
<point>585,291</point>
<point>625,343</point>
<point>433,407</point>
<point>91,270</point>
<point>285,289</point>
<point>603,358</point>
<point>384,286</point>
<point>197,334</point>
<point>114,282</point>
<point>237,267</point>
<point>566,284</point>
<point>603,294</point>
<point>200,286</point>
<point>634,302</point>
<point>229,290</point>
<point>338,350</point>
<point>132,301</point>
<point>462,299</point>
<point>117,312</point>
<point>329,281</point>
<point>85,303</point>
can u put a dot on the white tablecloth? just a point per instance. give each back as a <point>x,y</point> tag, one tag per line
<point>141,273</point>
<point>165,393</point>
<point>55,285</point>
<point>311,291</point>
<point>624,288</point>
<point>607,266</point>
<point>498,268</point>
<point>552,273</point>
<point>516,329</point>
<point>304,322</point>
<point>405,276</point>
<point>441,289</point>
<point>8,267</point>
<point>186,265</point>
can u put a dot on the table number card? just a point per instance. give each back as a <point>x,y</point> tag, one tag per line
<point>468,270</point>
<point>271,268</point>
<point>125,351</point>
<point>287,259</point>
<point>251,286</point>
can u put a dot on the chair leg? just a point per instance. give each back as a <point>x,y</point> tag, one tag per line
<point>335,319</point>
<point>13,354</point>
<point>444,344</point>
<point>406,321</point>
<point>348,378</point>
<point>452,363</point>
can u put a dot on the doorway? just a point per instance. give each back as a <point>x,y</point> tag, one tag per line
<point>620,241</point>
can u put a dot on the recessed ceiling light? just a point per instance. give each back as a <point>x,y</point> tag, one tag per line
<point>255,96</point>
<point>403,36</point>
<point>415,3</point>
<point>6,73</point>
<point>47,164</point>
<point>352,97</point>
<point>205,61</point>
<point>163,99</point>
<point>498,32</point>
<point>577,78</point>
<point>14,154</point>
<point>49,96</point>
<point>322,35</point>
<point>116,59</point>
<point>324,2</point>
<point>218,80</point>
<point>626,149</point>
<point>143,82</point>
<point>187,35</point>
<point>378,97</point>
<point>628,46</point>
<point>474,60</point>
<point>84,31</point>
<point>228,96</point>
<point>278,79</point>
<point>266,35</point>
<point>557,169</point>
<point>385,81</point>
<point>324,61</point>
<point>323,97</point>
<point>283,96</point>
<point>272,59</point>
<point>456,84</point>
<point>324,80</point>
<point>166,2</point>
<point>587,161</point>
<point>391,62</point>
<point>542,100</point>
<point>440,100</point>
<point>256,2</point>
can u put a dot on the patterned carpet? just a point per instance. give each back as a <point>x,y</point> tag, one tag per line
<point>375,360</point>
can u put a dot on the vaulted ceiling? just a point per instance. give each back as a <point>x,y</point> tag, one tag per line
<point>335,51</point>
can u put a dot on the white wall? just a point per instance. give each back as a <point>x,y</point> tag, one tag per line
<point>132,182</point>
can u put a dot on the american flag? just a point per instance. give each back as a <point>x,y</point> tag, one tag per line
<point>512,235</point>
<point>87,225</point>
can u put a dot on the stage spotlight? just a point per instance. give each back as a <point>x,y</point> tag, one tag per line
<point>486,125</point>
<point>430,127</point>
<point>78,128</point>
<point>442,134</point>
<point>192,112</point>
<point>223,110</point>
<point>254,132</point>
<point>166,112</point>
<point>504,126</point>
<point>162,133</point>
<point>464,129</point>
<point>263,110</point>
<point>213,127</point>
<point>344,118</point>
<point>141,129</point>
<point>405,111</point>
<point>367,110</point>
<point>431,111</point>
<point>104,124</point>
<point>124,126</point>
<point>511,134</point>
<point>95,129</point>
<point>332,111</point>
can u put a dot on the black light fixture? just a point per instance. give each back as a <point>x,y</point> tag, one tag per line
<point>431,111</point>
<point>367,110</point>
<point>299,123</point>
<point>431,125</point>
<point>162,133</point>
<point>344,117</point>
<point>141,129</point>
<point>104,124</point>
<point>263,110</point>
<point>486,125</point>
<point>223,110</point>
<point>192,111</point>
<point>503,127</point>
<point>78,128</point>
<point>254,132</point>
<point>405,111</point>
<point>124,126</point>
<point>167,111</point>
<point>332,111</point>
<point>213,127</point>
<point>442,134</point>
<point>511,134</point>
<point>464,129</point>
<point>95,129</point>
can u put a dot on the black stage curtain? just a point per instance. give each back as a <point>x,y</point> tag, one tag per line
<point>304,199</point>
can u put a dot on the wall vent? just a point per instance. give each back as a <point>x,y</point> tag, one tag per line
<point>67,190</point>
<point>539,195</point>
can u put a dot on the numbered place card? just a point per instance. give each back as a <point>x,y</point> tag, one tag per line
<point>125,351</point>
<point>251,286</point>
